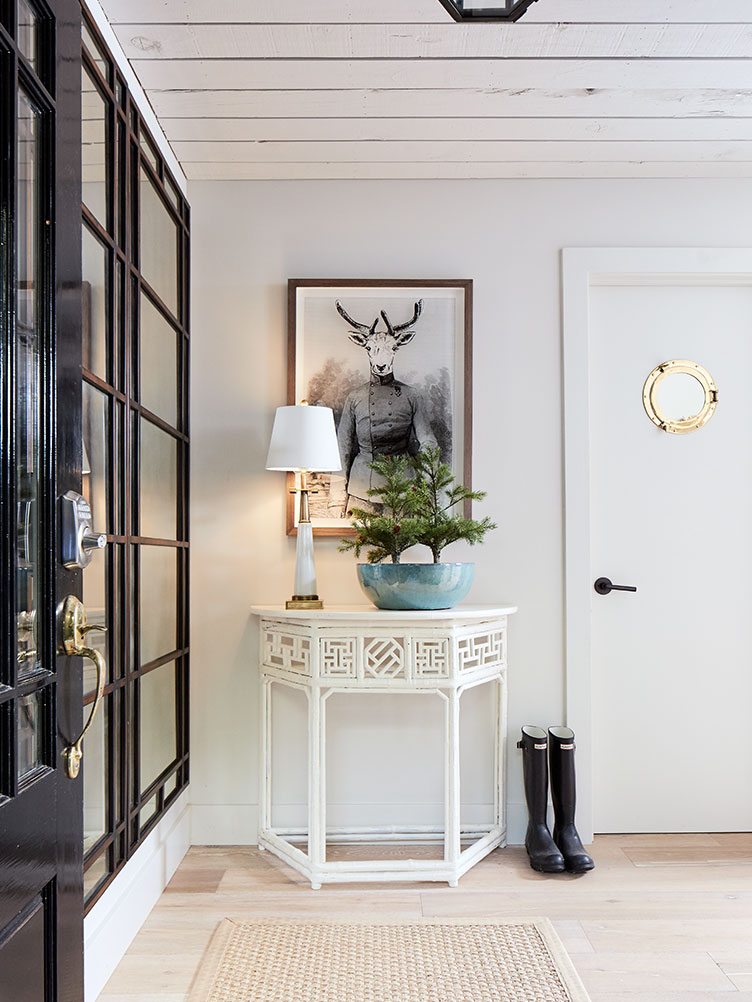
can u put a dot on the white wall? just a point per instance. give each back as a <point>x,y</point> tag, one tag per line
<point>248,239</point>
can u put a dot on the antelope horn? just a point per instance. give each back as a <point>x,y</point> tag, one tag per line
<point>354,323</point>
<point>389,328</point>
<point>410,323</point>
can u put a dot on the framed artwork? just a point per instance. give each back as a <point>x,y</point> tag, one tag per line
<point>393,359</point>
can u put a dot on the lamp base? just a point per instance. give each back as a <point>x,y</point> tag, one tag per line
<point>304,602</point>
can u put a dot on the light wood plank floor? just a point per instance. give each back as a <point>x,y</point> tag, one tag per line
<point>663,918</point>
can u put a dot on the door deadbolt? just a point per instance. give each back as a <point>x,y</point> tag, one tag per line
<point>79,539</point>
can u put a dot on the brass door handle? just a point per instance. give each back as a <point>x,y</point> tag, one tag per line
<point>74,629</point>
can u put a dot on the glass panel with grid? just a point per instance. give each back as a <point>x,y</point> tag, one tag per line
<point>135,240</point>
<point>159,243</point>
<point>158,723</point>
<point>158,611</point>
<point>159,350</point>
<point>96,169</point>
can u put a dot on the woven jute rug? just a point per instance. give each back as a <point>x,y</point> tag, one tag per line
<point>465,960</point>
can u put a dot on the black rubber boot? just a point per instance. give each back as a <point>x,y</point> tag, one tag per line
<point>563,794</point>
<point>544,856</point>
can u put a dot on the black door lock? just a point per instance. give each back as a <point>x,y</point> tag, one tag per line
<point>604,587</point>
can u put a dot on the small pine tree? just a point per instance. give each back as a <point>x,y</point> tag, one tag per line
<point>389,531</point>
<point>416,502</point>
<point>438,496</point>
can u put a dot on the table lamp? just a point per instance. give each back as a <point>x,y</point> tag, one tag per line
<point>304,441</point>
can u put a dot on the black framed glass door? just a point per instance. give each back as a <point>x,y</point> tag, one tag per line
<point>135,229</point>
<point>41,914</point>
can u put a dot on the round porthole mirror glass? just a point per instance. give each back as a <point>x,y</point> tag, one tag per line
<point>680,396</point>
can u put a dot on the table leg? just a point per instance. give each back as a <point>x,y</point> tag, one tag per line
<point>452,843</point>
<point>316,782</point>
<point>265,755</point>
<point>500,779</point>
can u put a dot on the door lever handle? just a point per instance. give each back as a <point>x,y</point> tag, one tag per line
<point>604,587</point>
<point>74,629</point>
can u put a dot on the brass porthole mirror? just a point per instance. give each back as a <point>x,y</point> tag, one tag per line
<point>680,396</point>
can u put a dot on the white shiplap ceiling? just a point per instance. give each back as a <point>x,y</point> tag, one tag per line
<point>395,88</point>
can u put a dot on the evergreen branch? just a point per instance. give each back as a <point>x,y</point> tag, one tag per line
<point>414,502</point>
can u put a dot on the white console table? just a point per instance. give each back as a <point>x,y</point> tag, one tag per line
<point>360,649</point>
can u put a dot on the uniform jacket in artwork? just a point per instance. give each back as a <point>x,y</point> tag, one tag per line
<point>384,417</point>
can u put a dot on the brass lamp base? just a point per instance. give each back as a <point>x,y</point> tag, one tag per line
<point>304,602</point>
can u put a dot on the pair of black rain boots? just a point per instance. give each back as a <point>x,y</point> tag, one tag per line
<point>563,851</point>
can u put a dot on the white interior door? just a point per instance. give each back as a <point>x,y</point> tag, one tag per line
<point>672,514</point>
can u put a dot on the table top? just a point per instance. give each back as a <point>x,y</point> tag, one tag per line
<point>353,612</point>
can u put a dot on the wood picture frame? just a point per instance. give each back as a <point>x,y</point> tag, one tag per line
<point>327,365</point>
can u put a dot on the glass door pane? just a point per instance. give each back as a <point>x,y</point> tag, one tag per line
<point>159,344</point>
<point>28,458</point>
<point>159,482</point>
<point>158,604</point>
<point>158,244</point>
<point>95,169</point>
<point>95,772</point>
<point>27,32</point>
<point>158,744</point>
<point>30,733</point>
<point>95,305</point>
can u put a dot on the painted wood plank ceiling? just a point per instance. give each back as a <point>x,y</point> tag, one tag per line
<point>268,89</point>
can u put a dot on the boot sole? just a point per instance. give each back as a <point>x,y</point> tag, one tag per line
<point>580,869</point>
<point>547,869</point>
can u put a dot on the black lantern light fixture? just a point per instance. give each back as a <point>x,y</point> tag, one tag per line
<point>486,10</point>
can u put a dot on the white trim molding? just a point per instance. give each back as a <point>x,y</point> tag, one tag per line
<point>582,269</point>
<point>116,918</point>
<point>137,92</point>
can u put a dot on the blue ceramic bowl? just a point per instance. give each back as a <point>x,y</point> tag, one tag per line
<point>416,586</point>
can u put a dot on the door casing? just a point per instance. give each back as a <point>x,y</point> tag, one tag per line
<point>582,269</point>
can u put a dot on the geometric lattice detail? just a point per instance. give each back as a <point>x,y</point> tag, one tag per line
<point>431,659</point>
<point>384,657</point>
<point>287,651</point>
<point>338,658</point>
<point>482,651</point>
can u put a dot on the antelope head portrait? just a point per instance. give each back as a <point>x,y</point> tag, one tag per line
<point>381,345</point>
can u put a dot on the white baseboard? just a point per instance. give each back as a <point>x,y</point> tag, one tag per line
<point>237,824</point>
<point>113,922</point>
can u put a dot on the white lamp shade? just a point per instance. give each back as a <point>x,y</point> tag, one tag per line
<point>304,438</point>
